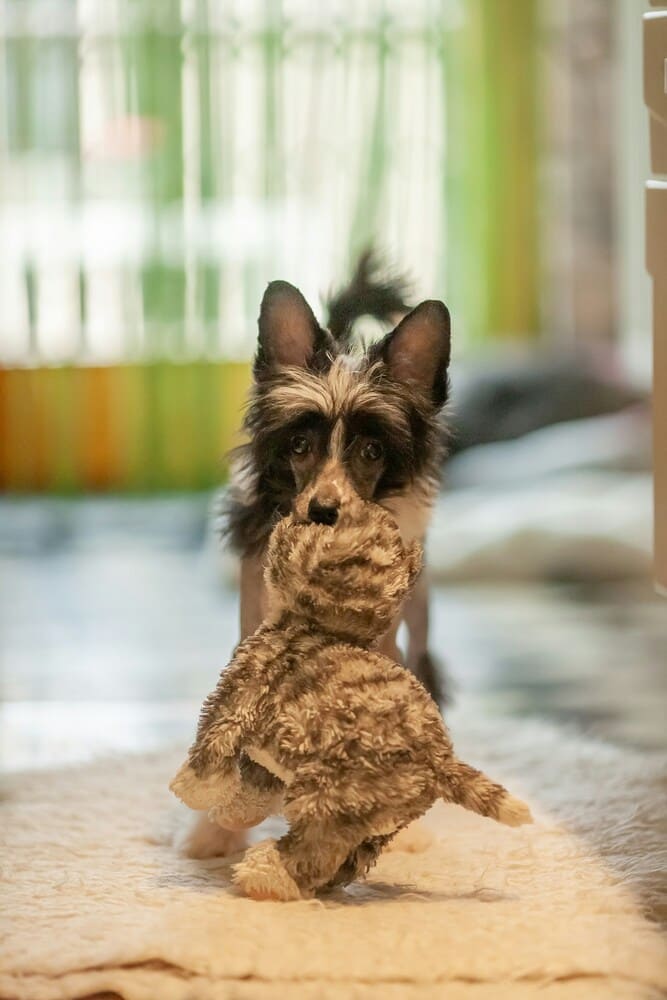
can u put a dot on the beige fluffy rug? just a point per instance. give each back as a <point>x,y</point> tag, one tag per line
<point>95,900</point>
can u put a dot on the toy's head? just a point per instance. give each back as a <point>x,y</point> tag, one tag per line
<point>349,578</point>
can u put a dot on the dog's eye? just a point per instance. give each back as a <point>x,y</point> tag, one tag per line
<point>299,444</point>
<point>372,451</point>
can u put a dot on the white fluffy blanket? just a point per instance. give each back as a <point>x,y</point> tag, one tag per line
<point>96,899</point>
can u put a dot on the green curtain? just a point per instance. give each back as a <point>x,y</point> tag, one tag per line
<point>492,174</point>
<point>244,142</point>
<point>165,160</point>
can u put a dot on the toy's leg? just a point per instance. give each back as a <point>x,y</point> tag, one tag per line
<point>237,794</point>
<point>262,874</point>
<point>306,859</point>
<point>203,838</point>
<point>247,798</point>
<point>242,797</point>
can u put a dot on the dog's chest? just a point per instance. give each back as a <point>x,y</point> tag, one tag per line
<point>412,513</point>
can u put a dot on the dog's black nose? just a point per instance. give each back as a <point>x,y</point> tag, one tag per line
<point>320,513</point>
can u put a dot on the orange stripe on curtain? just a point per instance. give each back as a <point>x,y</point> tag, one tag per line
<point>127,427</point>
<point>27,432</point>
<point>97,434</point>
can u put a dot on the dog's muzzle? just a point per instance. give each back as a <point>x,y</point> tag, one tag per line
<point>320,513</point>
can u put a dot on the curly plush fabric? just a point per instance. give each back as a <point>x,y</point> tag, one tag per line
<point>95,899</point>
<point>310,720</point>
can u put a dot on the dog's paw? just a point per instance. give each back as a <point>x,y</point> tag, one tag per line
<point>202,839</point>
<point>262,875</point>
<point>412,839</point>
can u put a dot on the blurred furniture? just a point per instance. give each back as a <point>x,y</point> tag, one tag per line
<point>655,93</point>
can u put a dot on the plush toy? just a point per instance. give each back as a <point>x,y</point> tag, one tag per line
<point>310,721</point>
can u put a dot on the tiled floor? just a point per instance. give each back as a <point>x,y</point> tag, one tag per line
<point>114,623</point>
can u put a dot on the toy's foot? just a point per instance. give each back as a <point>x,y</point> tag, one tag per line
<point>203,839</point>
<point>413,839</point>
<point>262,875</point>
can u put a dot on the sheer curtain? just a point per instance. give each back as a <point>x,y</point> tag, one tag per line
<point>164,159</point>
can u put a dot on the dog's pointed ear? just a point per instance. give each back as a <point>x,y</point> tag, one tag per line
<point>289,334</point>
<point>417,352</point>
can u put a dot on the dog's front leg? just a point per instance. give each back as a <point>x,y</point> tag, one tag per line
<point>415,614</point>
<point>253,594</point>
<point>388,644</point>
<point>201,838</point>
<point>418,659</point>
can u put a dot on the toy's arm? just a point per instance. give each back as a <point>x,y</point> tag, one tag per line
<point>227,718</point>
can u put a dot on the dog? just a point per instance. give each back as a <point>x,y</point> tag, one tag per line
<point>325,419</point>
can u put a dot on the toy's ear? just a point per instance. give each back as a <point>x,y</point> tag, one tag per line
<point>415,557</point>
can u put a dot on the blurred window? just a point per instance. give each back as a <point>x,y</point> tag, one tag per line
<point>164,159</point>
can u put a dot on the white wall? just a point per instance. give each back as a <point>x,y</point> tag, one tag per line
<point>632,172</point>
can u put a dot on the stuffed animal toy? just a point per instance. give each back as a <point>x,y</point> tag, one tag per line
<point>310,721</point>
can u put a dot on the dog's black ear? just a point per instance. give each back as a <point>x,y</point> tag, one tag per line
<point>417,352</point>
<point>289,334</point>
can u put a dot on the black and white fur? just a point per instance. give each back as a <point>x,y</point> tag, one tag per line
<point>325,419</point>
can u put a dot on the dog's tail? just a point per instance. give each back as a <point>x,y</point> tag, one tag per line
<point>471,789</point>
<point>371,291</point>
